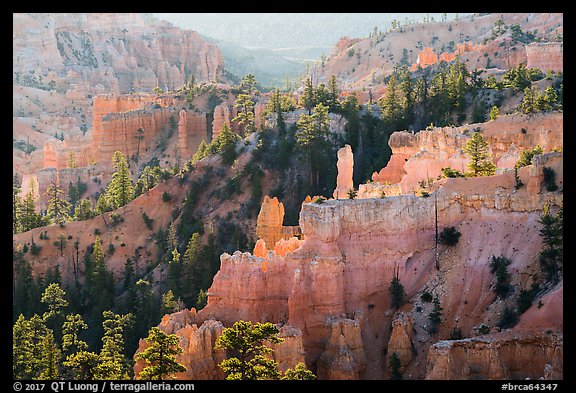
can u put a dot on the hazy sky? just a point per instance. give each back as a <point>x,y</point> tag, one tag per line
<point>279,30</point>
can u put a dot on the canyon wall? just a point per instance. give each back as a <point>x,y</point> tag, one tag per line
<point>121,52</point>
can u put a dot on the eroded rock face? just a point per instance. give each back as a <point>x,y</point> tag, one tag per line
<point>345,166</point>
<point>122,52</point>
<point>497,356</point>
<point>269,223</point>
<point>545,56</point>
<point>344,357</point>
<point>421,156</point>
<point>401,340</point>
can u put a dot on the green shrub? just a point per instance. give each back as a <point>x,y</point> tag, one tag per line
<point>549,179</point>
<point>452,173</point>
<point>509,319</point>
<point>147,220</point>
<point>426,297</point>
<point>166,197</point>
<point>116,218</point>
<point>449,236</point>
<point>456,334</point>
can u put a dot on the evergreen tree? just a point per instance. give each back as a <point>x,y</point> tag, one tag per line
<point>50,356</point>
<point>54,298</point>
<point>390,104</point>
<point>16,210</point>
<point>160,356</point>
<point>169,303</point>
<point>195,274</point>
<point>226,144</point>
<point>84,210</point>
<point>58,207</point>
<point>311,137</point>
<point>435,316</point>
<point>245,116</point>
<point>113,363</point>
<point>29,219</point>
<point>394,364</point>
<point>248,83</point>
<point>308,99</point>
<point>334,94</point>
<point>397,293</point>
<point>494,113</point>
<point>84,365</point>
<point>551,257</point>
<point>299,373</point>
<point>120,190</point>
<point>71,343</point>
<point>21,349</point>
<point>480,157</point>
<point>245,341</point>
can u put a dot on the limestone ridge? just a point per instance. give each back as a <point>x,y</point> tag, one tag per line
<point>332,290</point>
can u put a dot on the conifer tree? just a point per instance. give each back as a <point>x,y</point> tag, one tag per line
<point>394,364</point>
<point>71,343</point>
<point>83,210</point>
<point>120,190</point>
<point>113,363</point>
<point>480,157</point>
<point>246,342</point>
<point>58,207</point>
<point>298,373</point>
<point>308,100</point>
<point>160,356</point>
<point>245,116</point>
<point>397,293</point>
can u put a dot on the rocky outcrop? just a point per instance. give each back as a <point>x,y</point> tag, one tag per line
<point>498,356</point>
<point>345,165</point>
<point>401,340</point>
<point>545,56</point>
<point>344,357</point>
<point>192,130</point>
<point>221,117</point>
<point>269,223</point>
<point>417,157</point>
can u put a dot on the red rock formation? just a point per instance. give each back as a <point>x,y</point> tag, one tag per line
<point>426,57</point>
<point>401,340</point>
<point>447,57</point>
<point>221,117</point>
<point>192,130</point>
<point>345,166</point>
<point>345,42</point>
<point>421,156</point>
<point>344,357</point>
<point>497,356</point>
<point>545,56</point>
<point>269,224</point>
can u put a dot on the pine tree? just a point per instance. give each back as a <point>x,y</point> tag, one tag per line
<point>120,190</point>
<point>83,365</point>
<point>194,272</point>
<point>334,94</point>
<point>83,210</point>
<point>245,116</point>
<point>551,257</point>
<point>395,364</point>
<point>71,343</point>
<point>29,219</point>
<point>169,303</point>
<point>480,157</point>
<point>435,316</point>
<point>160,356</point>
<point>308,100</point>
<point>16,210</point>
<point>397,293</point>
<point>113,363</point>
<point>21,349</point>
<point>246,341</point>
<point>58,207</point>
<point>226,144</point>
<point>390,104</point>
<point>299,373</point>
<point>50,356</point>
